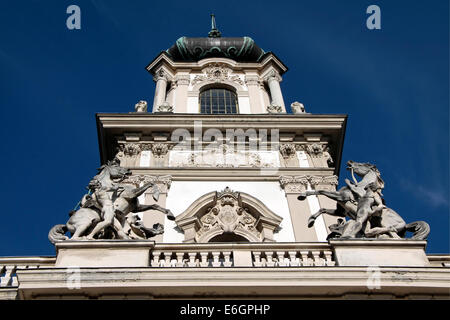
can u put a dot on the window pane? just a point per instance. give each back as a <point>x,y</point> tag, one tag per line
<point>218,101</point>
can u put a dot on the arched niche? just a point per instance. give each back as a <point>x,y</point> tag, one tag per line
<point>217,216</point>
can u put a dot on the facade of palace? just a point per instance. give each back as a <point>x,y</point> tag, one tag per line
<point>230,164</point>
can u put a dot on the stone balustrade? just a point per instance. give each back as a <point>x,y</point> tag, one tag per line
<point>9,266</point>
<point>241,255</point>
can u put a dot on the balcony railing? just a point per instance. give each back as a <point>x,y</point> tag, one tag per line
<point>225,255</point>
<point>9,265</point>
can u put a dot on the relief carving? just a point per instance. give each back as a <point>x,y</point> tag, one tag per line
<point>227,216</point>
<point>217,72</point>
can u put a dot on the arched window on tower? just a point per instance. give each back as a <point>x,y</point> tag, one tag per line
<point>218,101</point>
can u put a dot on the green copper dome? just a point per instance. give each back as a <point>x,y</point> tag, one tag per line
<point>194,49</point>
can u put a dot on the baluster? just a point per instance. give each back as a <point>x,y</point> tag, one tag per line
<point>227,259</point>
<point>270,260</point>
<point>281,261</point>
<point>318,261</point>
<point>257,259</point>
<point>305,261</point>
<point>155,262</point>
<point>293,259</point>
<point>205,261</point>
<point>5,281</point>
<point>216,262</point>
<point>328,258</point>
<point>14,281</point>
<point>180,260</point>
<point>192,262</point>
<point>167,259</point>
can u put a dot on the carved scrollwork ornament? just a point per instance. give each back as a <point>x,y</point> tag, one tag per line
<point>274,109</point>
<point>165,107</point>
<point>217,72</point>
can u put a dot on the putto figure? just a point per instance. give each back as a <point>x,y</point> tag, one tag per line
<point>362,203</point>
<point>109,210</point>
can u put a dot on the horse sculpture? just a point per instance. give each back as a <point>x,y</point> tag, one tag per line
<point>89,221</point>
<point>385,223</point>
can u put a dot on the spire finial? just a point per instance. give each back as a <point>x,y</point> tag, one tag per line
<point>214,33</point>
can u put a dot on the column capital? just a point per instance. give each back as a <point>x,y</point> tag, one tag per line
<point>182,80</point>
<point>287,150</point>
<point>299,184</point>
<point>161,75</point>
<point>252,80</point>
<point>294,184</point>
<point>163,182</point>
<point>328,183</point>
<point>273,75</point>
<point>158,149</point>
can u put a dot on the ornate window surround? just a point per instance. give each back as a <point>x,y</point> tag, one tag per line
<point>218,75</point>
<point>216,213</point>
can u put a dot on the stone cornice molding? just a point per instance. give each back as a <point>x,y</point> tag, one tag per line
<point>269,61</point>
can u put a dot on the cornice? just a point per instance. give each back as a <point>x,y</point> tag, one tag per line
<point>269,59</point>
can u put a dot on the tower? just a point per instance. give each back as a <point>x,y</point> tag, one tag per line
<point>221,97</point>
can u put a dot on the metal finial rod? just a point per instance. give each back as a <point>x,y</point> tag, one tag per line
<point>213,22</point>
<point>214,33</point>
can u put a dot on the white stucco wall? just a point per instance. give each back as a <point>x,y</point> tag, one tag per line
<point>244,105</point>
<point>144,161</point>
<point>183,193</point>
<point>192,106</point>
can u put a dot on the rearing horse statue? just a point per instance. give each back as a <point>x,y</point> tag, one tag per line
<point>112,205</point>
<point>384,223</point>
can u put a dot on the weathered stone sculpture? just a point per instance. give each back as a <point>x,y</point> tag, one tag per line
<point>108,211</point>
<point>362,203</point>
<point>272,108</point>
<point>141,106</point>
<point>297,107</point>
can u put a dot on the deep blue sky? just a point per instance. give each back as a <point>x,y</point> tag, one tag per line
<point>393,83</point>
